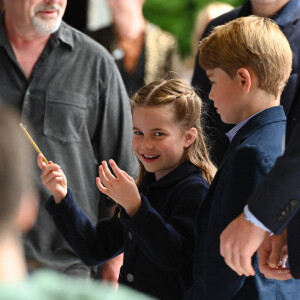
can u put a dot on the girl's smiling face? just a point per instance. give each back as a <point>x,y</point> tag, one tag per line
<point>158,142</point>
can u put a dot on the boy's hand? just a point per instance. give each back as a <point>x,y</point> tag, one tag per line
<point>121,187</point>
<point>53,179</point>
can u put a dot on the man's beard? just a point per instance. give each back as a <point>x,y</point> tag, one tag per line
<point>43,26</point>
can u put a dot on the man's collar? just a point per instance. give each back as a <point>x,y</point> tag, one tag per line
<point>288,14</point>
<point>64,34</point>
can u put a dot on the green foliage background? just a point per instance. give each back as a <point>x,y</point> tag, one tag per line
<point>177,17</point>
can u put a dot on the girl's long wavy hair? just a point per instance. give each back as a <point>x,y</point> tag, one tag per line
<point>181,98</point>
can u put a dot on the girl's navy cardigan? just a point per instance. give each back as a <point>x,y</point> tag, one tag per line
<point>158,242</point>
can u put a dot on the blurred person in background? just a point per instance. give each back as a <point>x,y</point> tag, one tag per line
<point>204,16</point>
<point>143,52</point>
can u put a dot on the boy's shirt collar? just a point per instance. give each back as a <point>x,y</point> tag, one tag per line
<point>232,133</point>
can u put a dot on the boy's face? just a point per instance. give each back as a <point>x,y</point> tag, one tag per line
<point>226,95</point>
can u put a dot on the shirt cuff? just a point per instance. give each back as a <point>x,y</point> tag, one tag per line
<point>253,220</point>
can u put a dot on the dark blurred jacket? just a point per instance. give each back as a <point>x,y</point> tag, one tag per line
<point>158,57</point>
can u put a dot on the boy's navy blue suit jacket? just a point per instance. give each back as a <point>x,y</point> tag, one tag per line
<point>250,156</point>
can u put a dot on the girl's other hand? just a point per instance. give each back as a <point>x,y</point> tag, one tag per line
<point>53,179</point>
<point>120,187</point>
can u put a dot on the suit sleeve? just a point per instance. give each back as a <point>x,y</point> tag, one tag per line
<point>243,174</point>
<point>277,199</point>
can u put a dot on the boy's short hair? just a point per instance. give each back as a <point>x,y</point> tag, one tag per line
<point>15,165</point>
<point>253,42</point>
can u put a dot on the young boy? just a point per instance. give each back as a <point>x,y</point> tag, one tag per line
<point>18,211</point>
<point>248,62</point>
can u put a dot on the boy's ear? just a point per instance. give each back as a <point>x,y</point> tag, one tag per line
<point>27,212</point>
<point>244,78</point>
<point>190,136</point>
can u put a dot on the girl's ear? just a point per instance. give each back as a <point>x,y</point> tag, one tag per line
<point>245,79</point>
<point>190,136</point>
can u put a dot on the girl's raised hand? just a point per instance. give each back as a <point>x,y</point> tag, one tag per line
<point>53,179</point>
<point>121,187</point>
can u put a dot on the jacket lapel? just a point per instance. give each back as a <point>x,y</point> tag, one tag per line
<point>273,114</point>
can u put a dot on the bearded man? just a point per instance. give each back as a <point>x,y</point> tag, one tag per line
<point>69,90</point>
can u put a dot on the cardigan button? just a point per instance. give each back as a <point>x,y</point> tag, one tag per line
<point>130,277</point>
<point>130,235</point>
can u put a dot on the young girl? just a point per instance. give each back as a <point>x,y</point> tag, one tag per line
<point>154,223</point>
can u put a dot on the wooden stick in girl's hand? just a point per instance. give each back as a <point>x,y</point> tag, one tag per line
<point>32,142</point>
